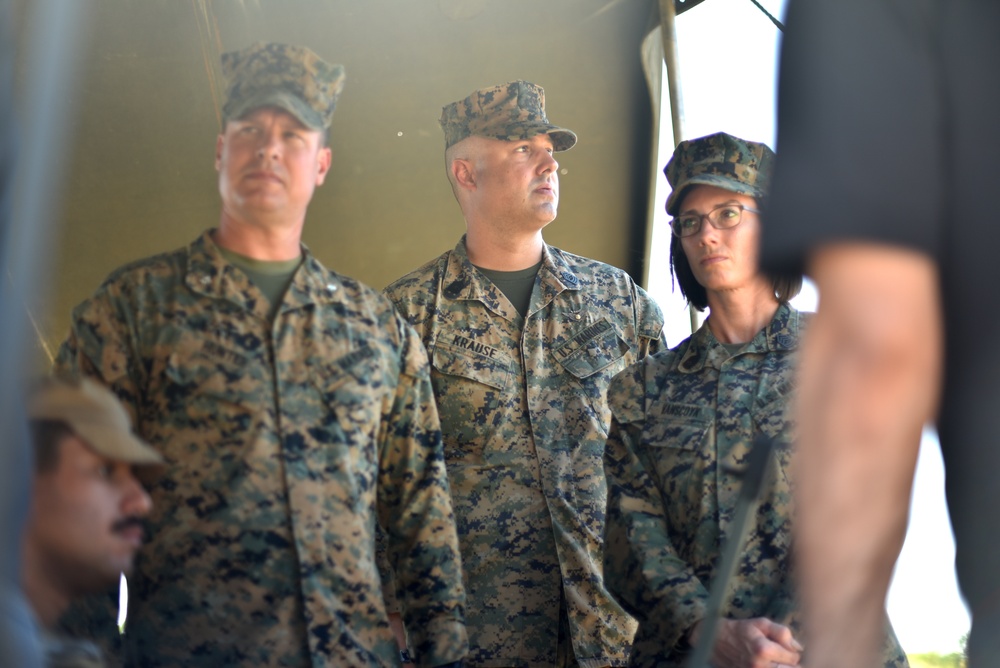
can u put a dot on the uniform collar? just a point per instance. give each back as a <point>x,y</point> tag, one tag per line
<point>211,275</point>
<point>464,282</point>
<point>781,334</point>
<point>557,275</point>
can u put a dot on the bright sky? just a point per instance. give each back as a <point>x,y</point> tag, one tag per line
<point>728,53</point>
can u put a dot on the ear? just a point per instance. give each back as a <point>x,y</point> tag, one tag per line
<point>464,173</point>
<point>219,142</point>
<point>323,160</point>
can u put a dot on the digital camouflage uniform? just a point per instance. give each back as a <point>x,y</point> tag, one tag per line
<point>524,421</point>
<point>508,112</point>
<point>684,423</point>
<point>283,440</point>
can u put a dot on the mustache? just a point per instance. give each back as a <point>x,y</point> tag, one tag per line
<point>128,522</point>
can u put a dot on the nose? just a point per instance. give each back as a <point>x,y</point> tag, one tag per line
<point>707,233</point>
<point>548,163</point>
<point>270,145</point>
<point>136,500</point>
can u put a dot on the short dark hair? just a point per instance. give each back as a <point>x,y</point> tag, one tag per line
<point>785,286</point>
<point>46,438</point>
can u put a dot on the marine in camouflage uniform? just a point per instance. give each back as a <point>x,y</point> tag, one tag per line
<point>286,436</point>
<point>524,416</point>
<point>684,423</point>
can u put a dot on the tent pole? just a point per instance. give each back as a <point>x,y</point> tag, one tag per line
<point>668,33</point>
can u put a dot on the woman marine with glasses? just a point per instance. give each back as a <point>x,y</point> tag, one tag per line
<point>685,420</point>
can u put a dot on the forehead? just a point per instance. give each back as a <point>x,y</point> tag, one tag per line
<point>501,146</point>
<point>268,115</point>
<point>702,196</point>
<point>543,139</point>
<point>75,456</point>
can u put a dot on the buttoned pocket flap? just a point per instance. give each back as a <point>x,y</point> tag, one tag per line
<point>494,372</point>
<point>680,426</point>
<point>591,350</point>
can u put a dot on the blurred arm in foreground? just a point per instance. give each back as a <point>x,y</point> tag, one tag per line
<point>870,377</point>
<point>889,144</point>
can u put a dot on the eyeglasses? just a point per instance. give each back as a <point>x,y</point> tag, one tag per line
<point>722,217</point>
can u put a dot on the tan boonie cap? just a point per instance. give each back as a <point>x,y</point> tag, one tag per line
<point>720,160</point>
<point>292,78</point>
<point>94,414</point>
<point>509,112</point>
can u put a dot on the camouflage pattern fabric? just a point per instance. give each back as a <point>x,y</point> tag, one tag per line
<point>524,419</point>
<point>720,160</point>
<point>283,441</point>
<point>684,422</point>
<point>62,652</point>
<point>290,77</point>
<point>509,112</point>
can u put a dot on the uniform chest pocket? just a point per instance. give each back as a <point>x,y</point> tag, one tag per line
<point>346,425</point>
<point>679,442</point>
<point>200,410</point>
<point>199,385</point>
<point>352,387</point>
<point>771,418</point>
<point>678,426</point>
<point>595,349</point>
<point>469,389</point>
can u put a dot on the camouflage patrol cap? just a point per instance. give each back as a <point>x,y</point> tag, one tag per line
<point>292,78</point>
<point>508,112</point>
<point>94,414</point>
<point>720,160</point>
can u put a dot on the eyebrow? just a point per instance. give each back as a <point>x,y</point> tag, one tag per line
<point>728,201</point>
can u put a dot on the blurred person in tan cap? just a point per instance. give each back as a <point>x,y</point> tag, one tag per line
<point>87,506</point>
<point>295,408</point>
<point>524,339</point>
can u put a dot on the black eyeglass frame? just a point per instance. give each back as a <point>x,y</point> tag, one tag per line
<point>702,216</point>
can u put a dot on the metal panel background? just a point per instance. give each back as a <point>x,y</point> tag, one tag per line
<point>141,177</point>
